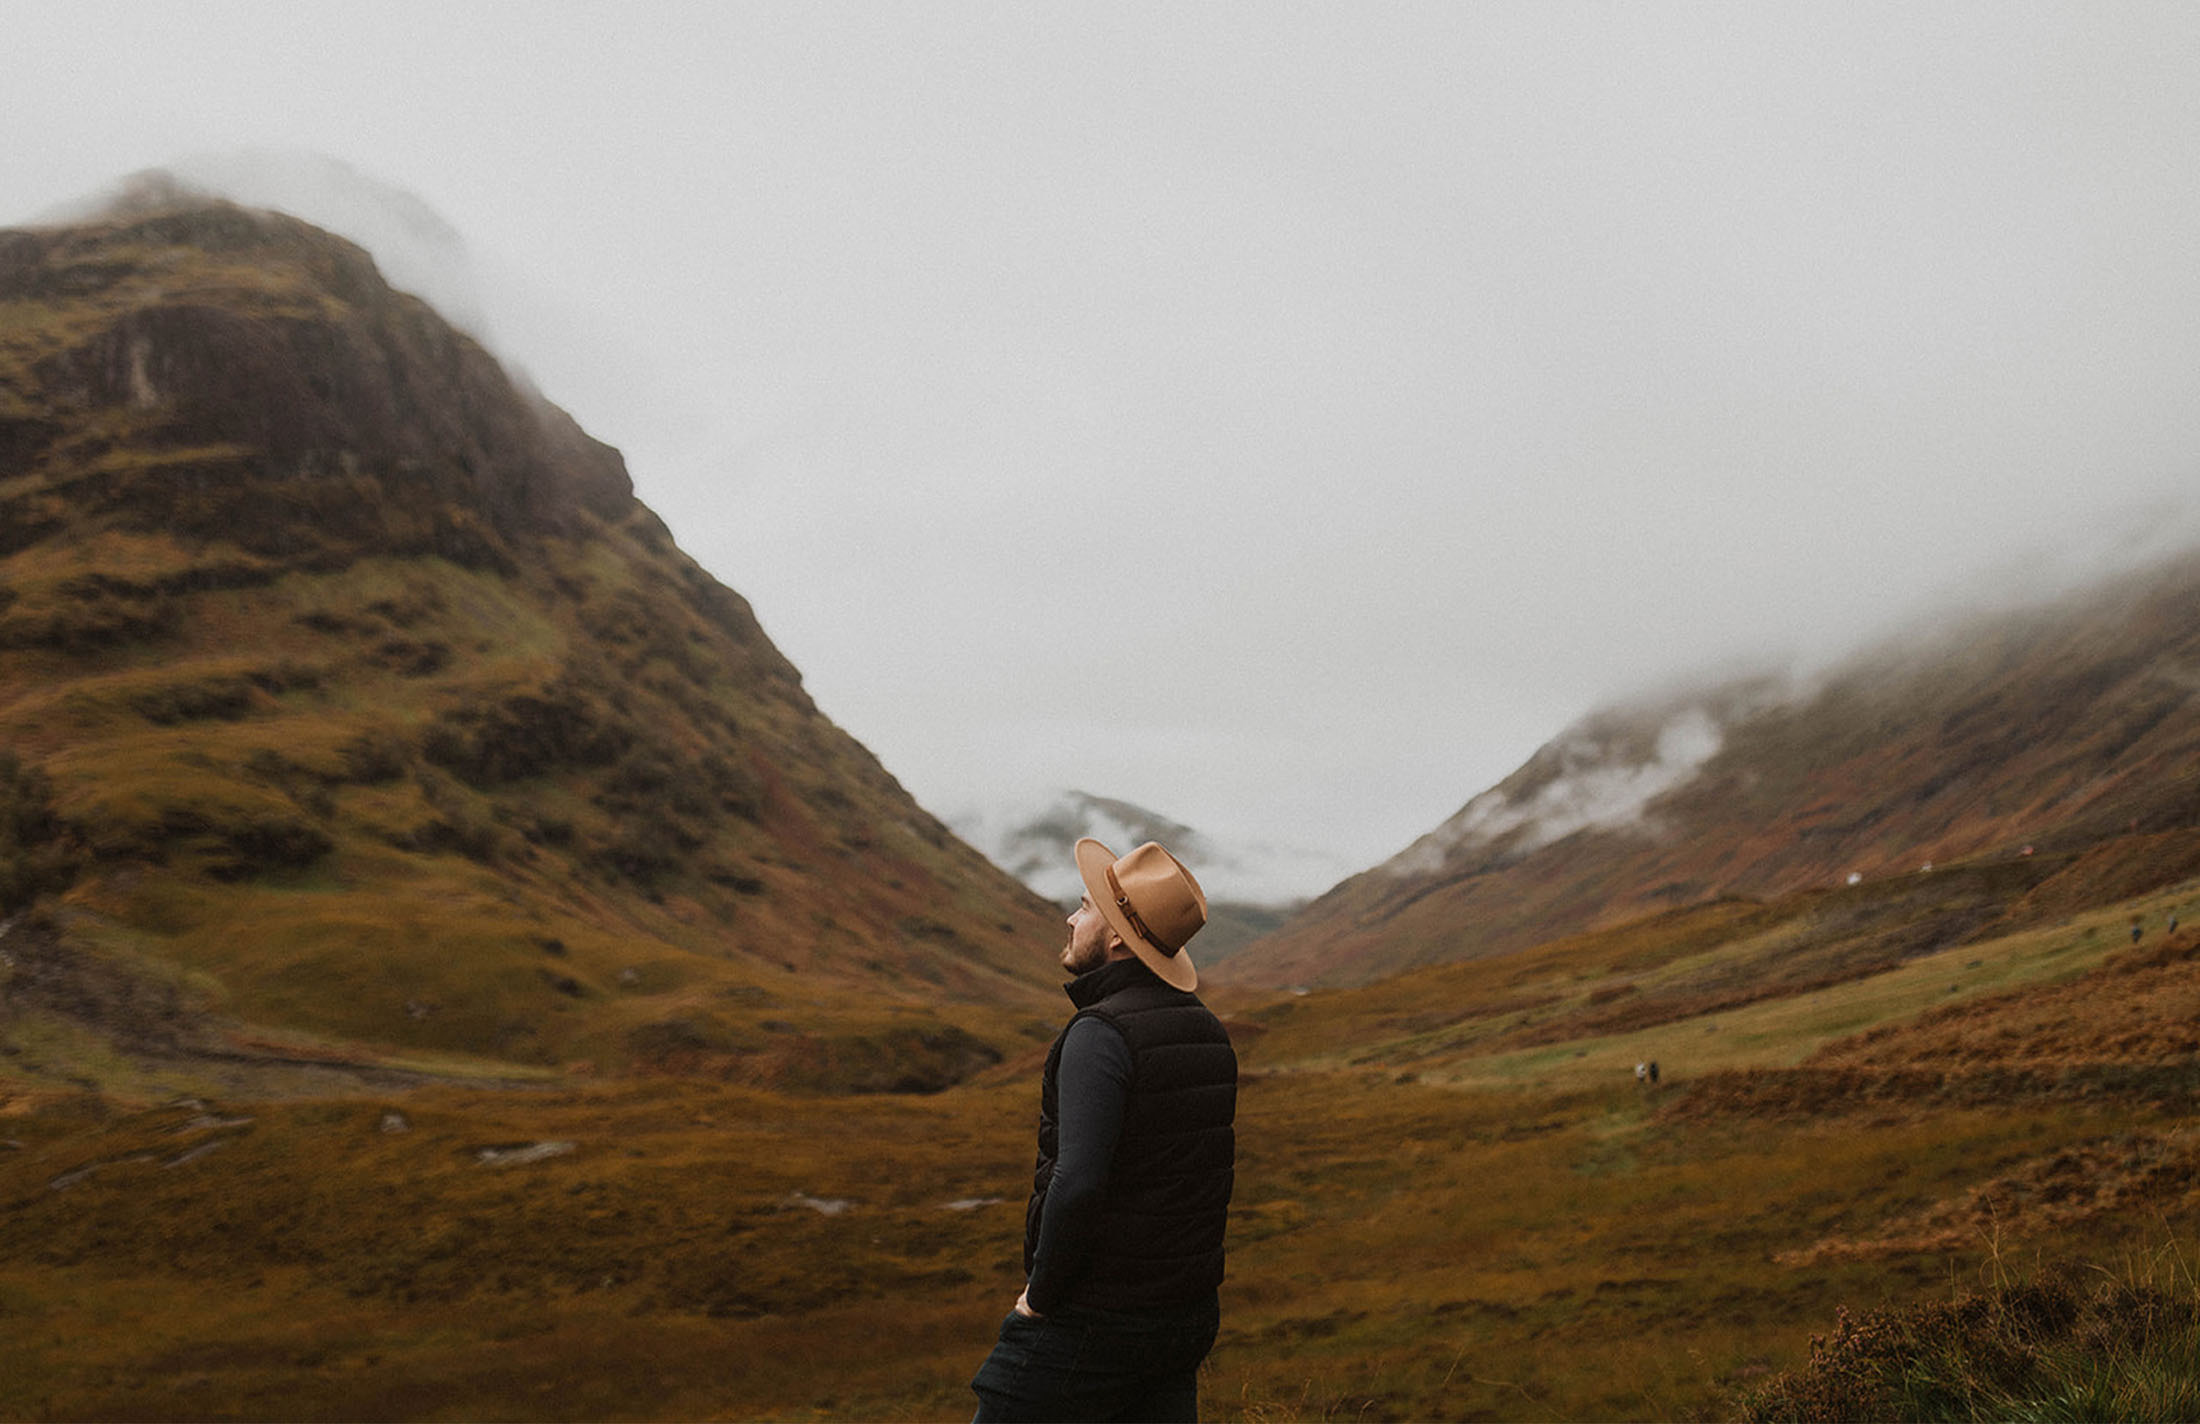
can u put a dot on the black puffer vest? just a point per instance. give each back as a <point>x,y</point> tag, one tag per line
<point>1160,1240</point>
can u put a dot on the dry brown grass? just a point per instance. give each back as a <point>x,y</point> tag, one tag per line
<point>1398,1251</point>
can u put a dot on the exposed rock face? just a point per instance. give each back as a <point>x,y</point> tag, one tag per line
<point>315,414</point>
<point>347,672</point>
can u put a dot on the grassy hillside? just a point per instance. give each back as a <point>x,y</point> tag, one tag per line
<point>351,708</point>
<point>2056,727</point>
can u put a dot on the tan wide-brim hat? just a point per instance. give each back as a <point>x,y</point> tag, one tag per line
<point>1151,901</point>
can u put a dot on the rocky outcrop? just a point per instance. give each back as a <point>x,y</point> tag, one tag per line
<point>283,399</point>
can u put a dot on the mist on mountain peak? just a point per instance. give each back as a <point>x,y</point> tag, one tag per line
<point>1034,842</point>
<point>1581,781</point>
<point>417,249</point>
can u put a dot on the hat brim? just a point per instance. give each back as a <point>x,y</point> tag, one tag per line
<point>1094,860</point>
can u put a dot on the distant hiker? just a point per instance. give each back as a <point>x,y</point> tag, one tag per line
<point>1123,1234</point>
<point>1653,1071</point>
<point>2136,931</point>
<point>1642,1072</point>
<point>2172,925</point>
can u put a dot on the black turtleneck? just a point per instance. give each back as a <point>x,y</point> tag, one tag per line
<point>1094,1087</point>
<point>1130,1190</point>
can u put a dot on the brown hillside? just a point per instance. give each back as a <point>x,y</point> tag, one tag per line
<point>2055,728</point>
<point>2127,1030</point>
<point>348,698</point>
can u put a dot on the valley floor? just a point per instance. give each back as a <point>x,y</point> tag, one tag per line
<point>1432,1220</point>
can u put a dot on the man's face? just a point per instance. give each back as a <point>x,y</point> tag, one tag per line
<point>1089,938</point>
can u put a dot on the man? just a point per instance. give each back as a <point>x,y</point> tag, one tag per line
<point>1123,1235</point>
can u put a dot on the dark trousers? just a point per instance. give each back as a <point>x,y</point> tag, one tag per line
<point>1083,1364</point>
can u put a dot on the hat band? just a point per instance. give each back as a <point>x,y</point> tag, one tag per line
<point>1123,903</point>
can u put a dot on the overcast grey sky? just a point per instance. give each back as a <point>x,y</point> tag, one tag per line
<point>1284,416</point>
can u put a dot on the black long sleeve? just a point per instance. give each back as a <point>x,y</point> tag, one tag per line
<point>1093,1087</point>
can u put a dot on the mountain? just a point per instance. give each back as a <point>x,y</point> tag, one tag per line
<point>2056,728</point>
<point>1251,888</point>
<point>1034,843</point>
<point>354,711</point>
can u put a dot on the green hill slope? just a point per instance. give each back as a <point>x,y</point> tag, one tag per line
<point>2057,728</point>
<point>352,709</point>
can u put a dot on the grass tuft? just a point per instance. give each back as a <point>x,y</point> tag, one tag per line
<point>2055,1347</point>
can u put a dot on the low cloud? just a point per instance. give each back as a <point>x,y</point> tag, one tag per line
<point>416,249</point>
<point>1035,845</point>
<point>1600,783</point>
